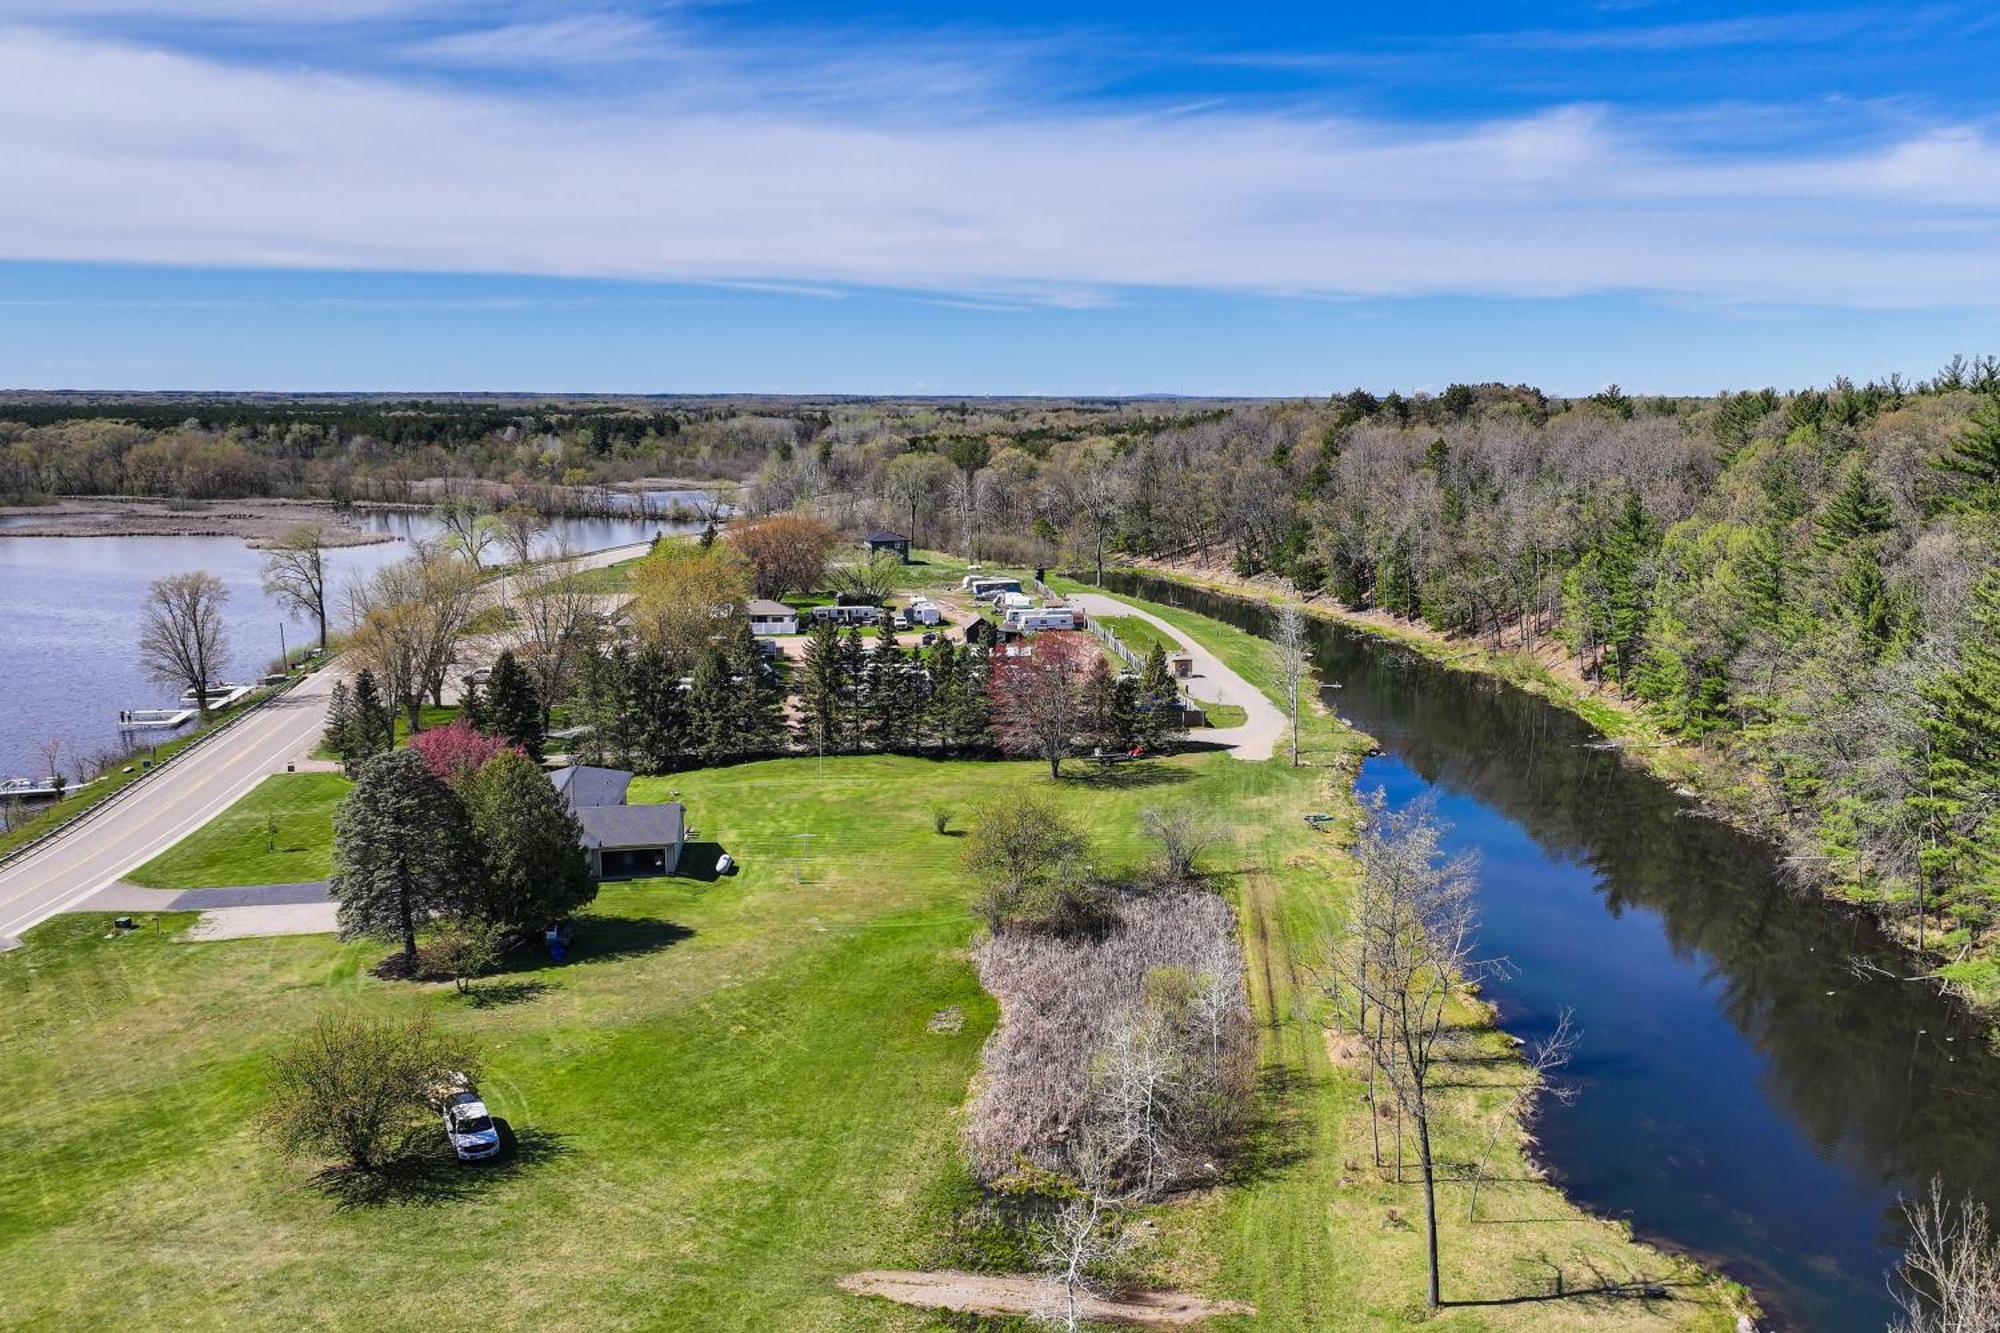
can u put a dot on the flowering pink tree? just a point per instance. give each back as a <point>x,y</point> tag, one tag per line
<point>1039,707</point>
<point>458,751</point>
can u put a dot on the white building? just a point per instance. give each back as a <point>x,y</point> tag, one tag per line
<point>768,617</point>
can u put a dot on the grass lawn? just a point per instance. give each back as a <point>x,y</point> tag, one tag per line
<point>234,848</point>
<point>732,1091</point>
<point>1139,635</point>
<point>1224,715</point>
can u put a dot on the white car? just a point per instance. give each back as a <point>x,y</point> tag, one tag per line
<point>469,1126</point>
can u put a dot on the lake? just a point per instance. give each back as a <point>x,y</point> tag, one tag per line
<point>1746,1095</point>
<point>70,608</point>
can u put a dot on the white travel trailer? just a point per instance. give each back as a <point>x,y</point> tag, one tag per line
<point>923,611</point>
<point>848,615</point>
<point>1034,621</point>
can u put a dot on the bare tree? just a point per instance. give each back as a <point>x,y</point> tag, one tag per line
<point>1294,664</point>
<point>182,640</point>
<point>468,525</point>
<point>1400,961</point>
<point>409,617</point>
<point>1950,1275</point>
<point>556,616</point>
<point>869,579</point>
<point>1543,1059</point>
<point>1080,1235</point>
<point>295,573</point>
<point>1183,832</point>
<point>50,749</point>
<point>520,525</point>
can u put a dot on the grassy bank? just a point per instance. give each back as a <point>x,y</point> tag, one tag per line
<point>734,1093</point>
<point>120,774</point>
<point>279,832</point>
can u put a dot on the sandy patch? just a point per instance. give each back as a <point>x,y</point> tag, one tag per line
<point>241,923</point>
<point>989,1294</point>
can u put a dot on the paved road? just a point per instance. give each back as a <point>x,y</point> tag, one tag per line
<point>161,810</point>
<point>1264,724</point>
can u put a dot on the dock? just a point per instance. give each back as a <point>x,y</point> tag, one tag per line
<point>144,719</point>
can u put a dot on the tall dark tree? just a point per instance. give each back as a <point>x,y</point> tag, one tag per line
<point>1958,800</point>
<point>659,709</point>
<point>823,690</point>
<point>891,701</point>
<point>510,707</point>
<point>712,707</point>
<point>370,727</point>
<point>759,710</point>
<point>1971,466</point>
<point>533,869</point>
<point>402,851</point>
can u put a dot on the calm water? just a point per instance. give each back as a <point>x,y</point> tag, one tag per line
<point>1745,1097</point>
<point>70,608</point>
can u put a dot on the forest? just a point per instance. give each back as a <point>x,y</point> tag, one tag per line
<point>1805,584</point>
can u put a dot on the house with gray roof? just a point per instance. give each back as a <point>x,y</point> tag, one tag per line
<point>623,841</point>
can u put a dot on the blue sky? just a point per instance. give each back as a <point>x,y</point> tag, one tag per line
<point>1036,198</point>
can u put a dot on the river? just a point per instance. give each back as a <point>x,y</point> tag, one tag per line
<point>70,610</point>
<point>1746,1095</point>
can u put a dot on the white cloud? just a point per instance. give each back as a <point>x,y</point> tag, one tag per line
<point>585,39</point>
<point>121,154</point>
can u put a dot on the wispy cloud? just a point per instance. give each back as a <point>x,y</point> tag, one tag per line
<point>584,39</point>
<point>119,153</point>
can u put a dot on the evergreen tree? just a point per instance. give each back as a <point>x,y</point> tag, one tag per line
<point>1159,701</point>
<point>659,709</point>
<point>1100,707</point>
<point>965,713</point>
<point>853,672</point>
<point>890,702</point>
<point>1127,718</point>
<point>1857,512</point>
<point>1622,564</point>
<point>371,727</point>
<point>1972,464</point>
<point>760,695</point>
<point>531,858</point>
<point>339,720</point>
<point>512,710</point>
<point>1958,802</point>
<point>822,690</point>
<point>943,668</point>
<point>401,850</point>
<point>712,707</point>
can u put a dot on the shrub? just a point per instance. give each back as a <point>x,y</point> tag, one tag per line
<point>359,1090</point>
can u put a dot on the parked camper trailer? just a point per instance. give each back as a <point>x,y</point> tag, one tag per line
<point>1034,621</point>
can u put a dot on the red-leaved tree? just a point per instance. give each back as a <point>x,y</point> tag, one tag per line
<point>455,752</point>
<point>1039,698</point>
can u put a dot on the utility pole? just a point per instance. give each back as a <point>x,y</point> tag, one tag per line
<point>284,654</point>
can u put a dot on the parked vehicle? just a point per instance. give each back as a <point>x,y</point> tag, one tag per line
<point>468,1125</point>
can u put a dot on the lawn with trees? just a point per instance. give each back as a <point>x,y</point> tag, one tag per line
<point>735,1091</point>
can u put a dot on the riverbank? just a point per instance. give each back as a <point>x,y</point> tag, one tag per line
<point>258,522</point>
<point>1722,786</point>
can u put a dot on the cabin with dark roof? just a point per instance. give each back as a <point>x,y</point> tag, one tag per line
<point>894,542</point>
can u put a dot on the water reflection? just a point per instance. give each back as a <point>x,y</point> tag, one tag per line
<point>1746,1094</point>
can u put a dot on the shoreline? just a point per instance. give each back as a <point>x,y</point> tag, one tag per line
<point>258,522</point>
<point>1721,787</point>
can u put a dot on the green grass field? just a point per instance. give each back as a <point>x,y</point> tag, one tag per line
<point>237,847</point>
<point>731,1092</point>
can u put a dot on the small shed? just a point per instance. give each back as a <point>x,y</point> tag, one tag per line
<point>893,542</point>
<point>1181,665</point>
<point>769,617</point>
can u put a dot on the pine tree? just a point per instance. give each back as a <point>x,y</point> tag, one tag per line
<point>533,869</point>
<point>942,670</point>
<point>511,709</point>
<point>371,728</point>
<point>659,709</point>
<point>822,690</point>
<point>1958,804</point>
<point>890,702</point>
<point>1624,557</point>
<point>853,669</point>
<point>401,850</point>
<point>711,700</point>
<point>760,696</point>
<point>1972,464</point>
<point>1159,700</point>
<point>339,720</point>
<point>1857,512</point>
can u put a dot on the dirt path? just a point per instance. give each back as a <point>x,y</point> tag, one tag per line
<point>991,1294</point>
<point>1263,725</point>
